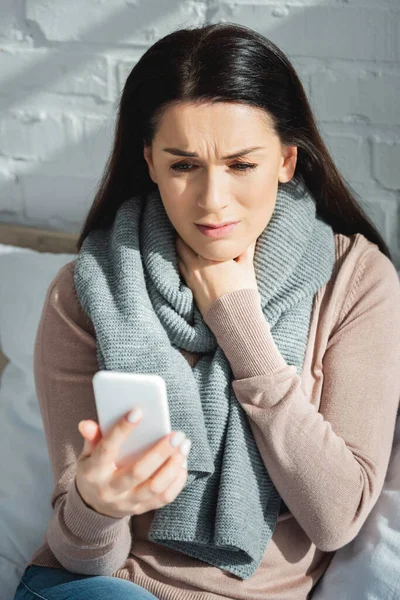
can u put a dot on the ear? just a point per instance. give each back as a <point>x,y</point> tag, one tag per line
<point>288,163</point>
<point>148,156</point>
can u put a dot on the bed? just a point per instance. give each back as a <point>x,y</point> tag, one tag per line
<point>29,259</point>
<point>366,568</point>
<point>39,240</point>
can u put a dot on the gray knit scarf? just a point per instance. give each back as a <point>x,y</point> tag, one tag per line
<point>129,285</point>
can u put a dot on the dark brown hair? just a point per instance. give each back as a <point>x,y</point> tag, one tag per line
<point>222,62</point>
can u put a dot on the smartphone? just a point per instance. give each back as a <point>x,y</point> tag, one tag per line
<point>116,393</point>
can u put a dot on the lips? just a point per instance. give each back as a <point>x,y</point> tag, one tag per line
<point>214,232</point>
<point>216,226</point>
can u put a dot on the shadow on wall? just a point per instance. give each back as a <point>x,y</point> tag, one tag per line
<point>72,164</point>
<point>68,97</point>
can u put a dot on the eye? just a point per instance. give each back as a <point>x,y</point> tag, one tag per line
<point>246,166</point>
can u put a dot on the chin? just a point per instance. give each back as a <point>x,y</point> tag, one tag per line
<point>220,256</point>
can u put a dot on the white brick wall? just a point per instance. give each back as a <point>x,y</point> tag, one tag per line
<point>63,65</point>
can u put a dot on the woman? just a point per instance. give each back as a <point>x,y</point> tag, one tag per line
<point>296,307</point>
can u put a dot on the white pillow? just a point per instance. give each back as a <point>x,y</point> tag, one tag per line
<point>25,473</point>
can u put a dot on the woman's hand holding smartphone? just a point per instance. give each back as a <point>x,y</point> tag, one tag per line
<point>148,483</point>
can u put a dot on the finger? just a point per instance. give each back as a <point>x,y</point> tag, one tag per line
<point>151,488</point>
<point>87,449</point>
<point>166,475</point>
<point>89,429</point>
<point>139,471</point>
<point>91,434</point>
<point>167,496</point>
<point>107,450</point>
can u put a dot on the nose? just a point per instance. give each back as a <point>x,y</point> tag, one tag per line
<point>212,198</point>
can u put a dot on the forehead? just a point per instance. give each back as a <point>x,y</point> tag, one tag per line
<point>219,119</point>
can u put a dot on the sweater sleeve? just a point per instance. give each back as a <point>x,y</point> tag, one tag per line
<point>83,540</point>
<point>328,465</point>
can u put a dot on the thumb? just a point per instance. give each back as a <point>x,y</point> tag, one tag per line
<point>90,432</point>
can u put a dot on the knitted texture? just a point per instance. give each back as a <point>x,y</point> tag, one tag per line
<point>128,283</point>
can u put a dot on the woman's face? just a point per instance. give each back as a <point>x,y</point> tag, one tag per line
<point>211,188</point>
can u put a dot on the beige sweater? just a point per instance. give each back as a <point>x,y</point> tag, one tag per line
<point>325,438</point>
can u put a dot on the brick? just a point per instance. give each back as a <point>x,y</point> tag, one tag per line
<point>386,162</point>
<point>377,214</point>
<point>118,22</point>
<point>361,32</point>
<point>67,144</point>
<point>303,69</point>
<point>53,199</point>
<point>375,3</point>
<point>34,71</point>
<point>350,154</point>
<point>394,230</point>
<point>90,143</point>
<point>391,207</point>
<point>356,96</point>
<point>31,135</point>
<point>11,199</point>
<point>8,20</point>
<point>124,67</point>
<point>379,207</point>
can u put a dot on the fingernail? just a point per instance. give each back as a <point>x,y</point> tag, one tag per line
<point>185,447</point>
<point>177,438</point>
<point>135,415</point>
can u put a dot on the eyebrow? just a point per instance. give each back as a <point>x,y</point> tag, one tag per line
<point>179,152</point>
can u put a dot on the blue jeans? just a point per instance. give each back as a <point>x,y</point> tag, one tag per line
<point>46,583</point>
